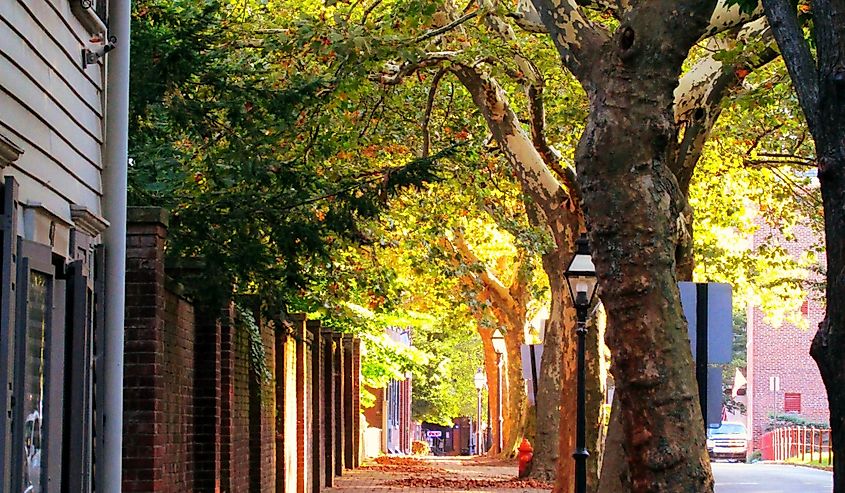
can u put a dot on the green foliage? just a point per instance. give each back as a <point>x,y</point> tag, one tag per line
<point>783,420</point>
<point>257,352</point>
<point>246,137</point>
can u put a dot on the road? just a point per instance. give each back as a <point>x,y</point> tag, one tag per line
<point>770,478</point>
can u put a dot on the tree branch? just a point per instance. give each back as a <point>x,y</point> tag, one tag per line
<point>448,27</point>
<point>699,95</point>
<point>492,283</point>
<point>729,16</point>
<point>395,74</point>
<point>577,39</point>
<point>432,92</point>
<point>796,54</point>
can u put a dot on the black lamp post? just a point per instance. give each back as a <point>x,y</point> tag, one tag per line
<point>499,346</point>
<point>480,381</point>
<point>581,277</point>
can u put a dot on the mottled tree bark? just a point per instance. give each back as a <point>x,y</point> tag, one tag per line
<point>633,206</point>
<point>557,211</point>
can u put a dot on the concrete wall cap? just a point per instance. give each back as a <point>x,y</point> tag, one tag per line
<point>155,215</point>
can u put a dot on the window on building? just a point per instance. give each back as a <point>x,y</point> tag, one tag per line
<point>792,402</point>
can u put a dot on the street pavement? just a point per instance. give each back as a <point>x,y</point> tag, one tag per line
<point>770,478</point>
<point>436,474</point>
<point>457,474</point>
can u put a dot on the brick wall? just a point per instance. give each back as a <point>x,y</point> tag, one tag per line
<point>196,419</point>
<point>177,368</point>
<point>784,352</point>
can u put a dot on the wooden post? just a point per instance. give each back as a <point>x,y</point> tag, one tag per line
<point>803,442</point>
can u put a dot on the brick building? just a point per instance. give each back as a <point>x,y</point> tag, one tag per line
<point>781,355</point>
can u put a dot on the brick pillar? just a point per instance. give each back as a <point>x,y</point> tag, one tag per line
<point>330,408</point>
<point>318,403</point>
<point>356,402</point>
<point>304,473</point>
<point>143,380</point>
<point>227,401</point>
<point>339,398</point>
<point>281,337</point>
<point>207,400</point>
<point>348,404</point>
<point>254,424</point>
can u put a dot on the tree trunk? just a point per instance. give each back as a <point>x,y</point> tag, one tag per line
<point>596,372</point>
<point>633,205</point>
<point>516,400</point>
<point>828,345</point>
<point>492,387</point>
<point>614,471</point>
<point>556,395</point>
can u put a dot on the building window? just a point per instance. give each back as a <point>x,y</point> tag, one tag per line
<point>34,376</point>
<point>792,402</point>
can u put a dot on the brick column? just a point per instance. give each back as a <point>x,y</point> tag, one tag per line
<point>227,400</point>
<point>330,408</point>
<point>281,337</point>
<point>143,380</point>
<point>340,398</point>
<point>304,473</point>
<point>318,403</point>
<point>348,404</point>
<point>207,400</point>
<point>356,402</point>
<point>290,403</point>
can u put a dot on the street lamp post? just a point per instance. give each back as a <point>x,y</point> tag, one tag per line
<point>499,346</point>
<point>480,381</point>
<point>581,278</point>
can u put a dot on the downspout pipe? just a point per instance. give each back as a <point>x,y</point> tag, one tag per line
<point>114,209</point>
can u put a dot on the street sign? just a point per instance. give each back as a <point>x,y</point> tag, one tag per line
<point>434,433</point>
<point>708,306</point>
<point>532,354</point>
<point>709,312</point>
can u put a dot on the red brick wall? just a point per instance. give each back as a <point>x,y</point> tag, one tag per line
<point>784,352</point>
<point>188,410</point>
<point>177,367</point>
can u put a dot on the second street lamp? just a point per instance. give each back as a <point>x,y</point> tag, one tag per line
<point>581,278</point>
<point>499,346</point>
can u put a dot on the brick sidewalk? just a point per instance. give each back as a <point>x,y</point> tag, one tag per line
<point>374,478</point>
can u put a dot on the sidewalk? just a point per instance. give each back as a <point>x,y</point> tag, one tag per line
<point>436,474</point>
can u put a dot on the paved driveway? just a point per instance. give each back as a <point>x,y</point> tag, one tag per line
<point>770,478</point>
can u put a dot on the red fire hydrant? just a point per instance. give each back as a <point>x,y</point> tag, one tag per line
<point>525,456</point>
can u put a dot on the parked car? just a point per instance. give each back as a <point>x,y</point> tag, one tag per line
<point>728,441</point>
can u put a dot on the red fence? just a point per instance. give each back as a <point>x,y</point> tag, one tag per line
<point>805,444</point>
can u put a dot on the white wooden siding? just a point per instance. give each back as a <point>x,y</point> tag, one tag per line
<point>50,106</point>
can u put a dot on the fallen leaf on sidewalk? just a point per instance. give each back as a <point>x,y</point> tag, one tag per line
<point>468,484</point>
